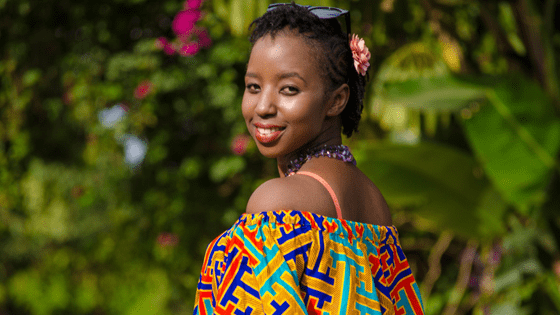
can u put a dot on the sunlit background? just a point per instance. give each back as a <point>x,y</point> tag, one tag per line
<point>123,152</point>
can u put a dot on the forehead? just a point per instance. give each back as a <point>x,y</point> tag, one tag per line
<point>286,50</point>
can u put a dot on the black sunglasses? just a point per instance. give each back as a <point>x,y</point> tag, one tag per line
<point>320,12</point>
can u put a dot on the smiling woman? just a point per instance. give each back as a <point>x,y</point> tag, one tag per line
<point>286,104</point>
<point>317,243</point>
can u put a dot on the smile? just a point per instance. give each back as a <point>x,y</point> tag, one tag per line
<point>268,134</point>
<point>268,131</point>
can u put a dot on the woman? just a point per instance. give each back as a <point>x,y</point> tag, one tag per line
<point>318,238</point>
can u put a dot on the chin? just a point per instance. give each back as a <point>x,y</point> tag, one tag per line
<point>270,152</point>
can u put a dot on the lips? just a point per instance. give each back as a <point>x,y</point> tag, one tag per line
<point>267,133</point>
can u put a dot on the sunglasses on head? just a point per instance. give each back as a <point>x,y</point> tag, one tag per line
<point>320,12</point>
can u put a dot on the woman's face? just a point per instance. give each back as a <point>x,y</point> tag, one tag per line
<point>284,104</point>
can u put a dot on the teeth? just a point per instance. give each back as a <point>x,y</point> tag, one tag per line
<point>267,131</point>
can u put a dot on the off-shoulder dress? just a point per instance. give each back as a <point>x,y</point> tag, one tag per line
<point>296,262</point>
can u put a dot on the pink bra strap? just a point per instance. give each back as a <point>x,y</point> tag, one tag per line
<point>329,189</point>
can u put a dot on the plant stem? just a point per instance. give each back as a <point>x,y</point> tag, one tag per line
<point>463,278</point>
<point>434,262</point>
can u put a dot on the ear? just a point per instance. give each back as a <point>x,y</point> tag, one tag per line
<point>338,101</point>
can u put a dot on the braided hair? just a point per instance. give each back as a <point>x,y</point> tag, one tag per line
<point>331,47</point>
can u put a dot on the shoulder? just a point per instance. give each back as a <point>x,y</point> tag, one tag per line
<point>274,194</point>
<point>301,193</point>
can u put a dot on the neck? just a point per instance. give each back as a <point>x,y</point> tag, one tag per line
<point>284,161</point>
<point>330,135</point>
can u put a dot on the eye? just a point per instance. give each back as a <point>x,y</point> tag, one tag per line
<point>290,90</point>
<point>252,88</point>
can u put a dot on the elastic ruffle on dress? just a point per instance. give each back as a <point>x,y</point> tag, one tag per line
<point>293,262</point>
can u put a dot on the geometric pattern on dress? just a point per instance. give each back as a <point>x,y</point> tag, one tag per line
<point>295,262</point>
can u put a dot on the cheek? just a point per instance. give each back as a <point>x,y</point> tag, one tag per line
<point>291,106</point>
<point>309,112</point>
<point>246,108</point>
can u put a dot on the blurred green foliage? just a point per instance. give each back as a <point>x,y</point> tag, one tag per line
<point>460,132</point>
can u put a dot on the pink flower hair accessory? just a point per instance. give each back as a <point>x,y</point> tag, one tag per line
<point>360,53</point>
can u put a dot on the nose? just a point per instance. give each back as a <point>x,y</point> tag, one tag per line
<point>266,105</point>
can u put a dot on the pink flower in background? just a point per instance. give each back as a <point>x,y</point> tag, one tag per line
<point>203,39</point>
<point>167,239</point>
<point>169,49</point>
<point>193,4</point>
<point>185,38</point>
<point>189,38</point>
<point>239,144</point>
<point>189,49</point>
<point>184,21</point>
<point>143,89</point>
<point>161,42</point>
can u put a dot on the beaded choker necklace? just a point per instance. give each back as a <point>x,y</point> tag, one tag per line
<point>339,152</point>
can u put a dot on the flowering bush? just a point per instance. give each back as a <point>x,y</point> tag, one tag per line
<point>143,89</point>
<point>85,228</point>
<point>240,143</point>
<point>189,37</point>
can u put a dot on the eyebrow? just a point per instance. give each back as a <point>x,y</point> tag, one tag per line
<point>252,75</point>
<point>291,74</point>
<point>280,77</point>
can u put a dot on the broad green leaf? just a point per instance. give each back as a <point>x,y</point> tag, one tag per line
<point>261,7</point>
<point>412,61</point>
<point>249,13</point>
<point>413,76</point>
<point>237,20</point>
<point>445,93</point>
<point>516,137</point>
<point>439,182</point>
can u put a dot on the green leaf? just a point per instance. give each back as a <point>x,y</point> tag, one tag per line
<point>516,137</point>
<point>153,299</point>
<point>236,21</point>
<point>219,7</point>
<point>225,167</point>
<point>416,77</point>
<point>507,308</point>
<point>86,293</point>
<point>262,5</point>
<point>445,93</point>
<point>551,287</point>
<point>439,182</point>
<point>42,296</point>
<point>191,167</point>
<point>31,77</point>
<point>249,14</point>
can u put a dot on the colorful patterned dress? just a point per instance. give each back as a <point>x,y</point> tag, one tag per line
<point>293,262</point>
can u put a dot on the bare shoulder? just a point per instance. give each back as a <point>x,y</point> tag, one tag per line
<point>372,199</point>
<point>269,196</point>
<point>290,193</point>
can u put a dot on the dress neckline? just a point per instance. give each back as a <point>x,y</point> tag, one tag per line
<point>245,216</point>
<point>350,230</point>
